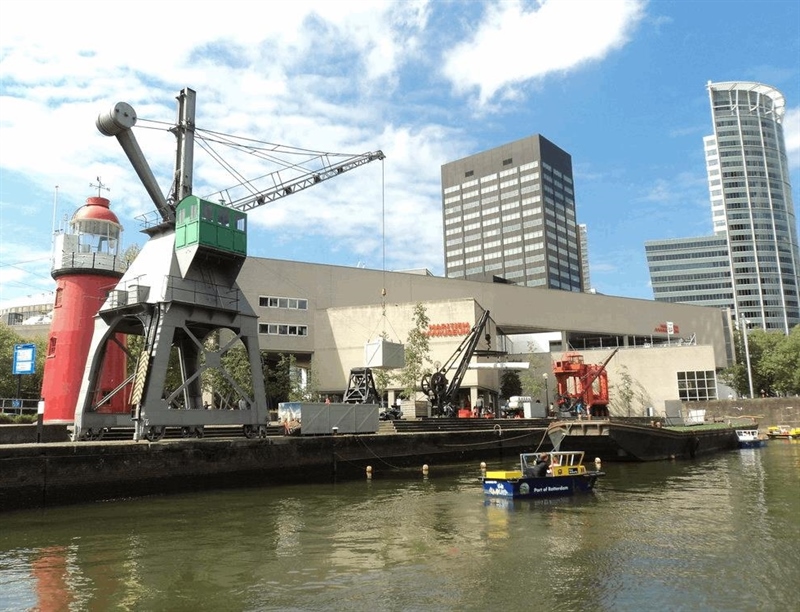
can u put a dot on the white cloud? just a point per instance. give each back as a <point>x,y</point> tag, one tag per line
<point>513,45</point>
<point>313,75</point>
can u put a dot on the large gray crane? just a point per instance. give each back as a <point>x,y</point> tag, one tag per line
<point>181,291</point>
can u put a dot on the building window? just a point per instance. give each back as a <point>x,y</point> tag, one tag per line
<point>282,302</point>
<point>282,329</point>
<point>508,162</point>
<point>697,386</point>
<point>469,173</point>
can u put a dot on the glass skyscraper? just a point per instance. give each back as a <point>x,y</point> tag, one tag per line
<point>752,263</point>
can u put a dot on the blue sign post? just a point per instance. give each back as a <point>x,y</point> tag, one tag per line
<point>24,358</point>
<point>24,362</point>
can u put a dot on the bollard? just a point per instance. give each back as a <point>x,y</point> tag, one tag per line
<point>40,421</point>
<point>425,469</point>
<point>369,472</point>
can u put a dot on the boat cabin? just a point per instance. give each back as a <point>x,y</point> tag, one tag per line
<point>562,463</point>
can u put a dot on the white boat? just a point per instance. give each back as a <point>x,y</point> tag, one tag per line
<point>750,438</point>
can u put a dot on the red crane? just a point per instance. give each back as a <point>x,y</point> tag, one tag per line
<point>582,386</point>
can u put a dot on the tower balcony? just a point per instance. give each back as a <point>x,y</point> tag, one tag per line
<point>70,257</point>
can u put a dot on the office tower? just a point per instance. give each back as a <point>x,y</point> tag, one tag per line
<point>509,212</point>
<point>751,264</point>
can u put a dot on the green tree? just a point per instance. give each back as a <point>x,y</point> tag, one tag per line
<point>283,381</point>
<point>30,385</point>
<point>234,368</point>
<point>417,353</point>
<point>533,383</point>
<point>311,391</point>
<point>735,375</point>
<point>625,392</point>
<point>774,363</point>
<point>782,364</point>
<point>510,384</point>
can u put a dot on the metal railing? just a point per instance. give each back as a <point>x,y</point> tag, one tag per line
<point>15,405</point>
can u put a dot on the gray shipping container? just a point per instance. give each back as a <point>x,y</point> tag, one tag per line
<point>319,418</point>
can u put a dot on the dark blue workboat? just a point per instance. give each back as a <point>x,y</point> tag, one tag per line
<point>543,475</point>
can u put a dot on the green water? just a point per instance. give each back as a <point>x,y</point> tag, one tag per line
<point>722,533</point>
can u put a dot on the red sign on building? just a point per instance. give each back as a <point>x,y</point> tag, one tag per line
<point>438,330</point>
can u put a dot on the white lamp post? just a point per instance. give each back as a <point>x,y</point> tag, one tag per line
<point>745,323</point>
<point>546,392</point>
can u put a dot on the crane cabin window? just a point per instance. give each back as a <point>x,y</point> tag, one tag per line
<point>223,216</point>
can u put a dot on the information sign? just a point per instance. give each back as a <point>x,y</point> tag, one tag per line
<point>24,358</point>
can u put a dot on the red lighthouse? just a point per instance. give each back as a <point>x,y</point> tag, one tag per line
<point>86,266</point>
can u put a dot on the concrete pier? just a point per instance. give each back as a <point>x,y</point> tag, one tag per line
<point>42,475</point>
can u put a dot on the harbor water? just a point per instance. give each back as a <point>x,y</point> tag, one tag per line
<point>721,533</point>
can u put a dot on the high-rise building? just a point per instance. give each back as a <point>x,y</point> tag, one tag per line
<point>509,212</point>
<point>751,264</point>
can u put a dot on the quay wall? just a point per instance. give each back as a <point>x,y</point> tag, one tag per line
<point>766,411</point>
<point>43,475</point>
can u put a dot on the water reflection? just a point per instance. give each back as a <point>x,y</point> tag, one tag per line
<point>678,535</point>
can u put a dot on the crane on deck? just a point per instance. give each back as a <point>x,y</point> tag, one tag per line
<point>582,386</point>
<point>443,393</point>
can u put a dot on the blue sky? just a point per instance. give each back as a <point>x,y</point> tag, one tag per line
<point>620,85</point>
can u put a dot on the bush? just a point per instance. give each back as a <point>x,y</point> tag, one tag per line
<point>17,419</point>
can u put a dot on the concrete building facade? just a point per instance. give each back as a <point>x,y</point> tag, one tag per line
<point>325,315</point>
<point>751,265</point>
<point>510,212</point>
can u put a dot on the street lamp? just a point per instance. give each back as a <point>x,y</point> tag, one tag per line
<point>745,323</point>
<point>546,393</point>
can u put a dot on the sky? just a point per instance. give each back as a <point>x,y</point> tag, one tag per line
<point>618,84</point>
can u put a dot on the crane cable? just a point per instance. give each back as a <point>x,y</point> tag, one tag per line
<point>383,242</point>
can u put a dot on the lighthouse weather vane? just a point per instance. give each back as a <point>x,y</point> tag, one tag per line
<point>99,186</point>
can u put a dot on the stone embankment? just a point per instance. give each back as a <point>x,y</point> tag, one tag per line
<point>766,411</point>
<point>48,474</point>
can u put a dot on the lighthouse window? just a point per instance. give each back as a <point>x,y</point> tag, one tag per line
<point>59,296</point>
<point>51,347</point>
